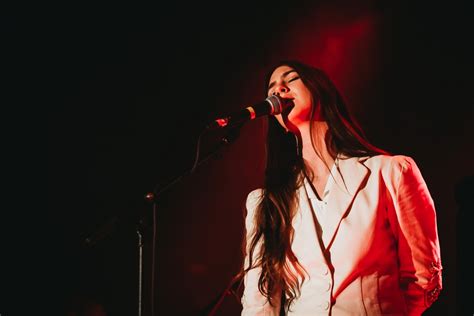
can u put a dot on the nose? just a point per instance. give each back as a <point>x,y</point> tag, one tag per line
<point>280,89</point>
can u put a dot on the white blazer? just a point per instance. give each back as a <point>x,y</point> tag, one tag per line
<point>379,252</point>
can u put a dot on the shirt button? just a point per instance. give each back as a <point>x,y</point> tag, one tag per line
<point>324,305</point>
<point>328,287</point>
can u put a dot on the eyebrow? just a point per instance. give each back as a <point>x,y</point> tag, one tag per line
<point>286,73</point>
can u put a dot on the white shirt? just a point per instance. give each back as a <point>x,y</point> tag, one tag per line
<point>319,206</point>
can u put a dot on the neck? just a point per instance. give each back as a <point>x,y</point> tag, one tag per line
<point>315,153</point>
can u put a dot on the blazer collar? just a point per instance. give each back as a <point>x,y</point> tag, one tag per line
<point>349,177</point>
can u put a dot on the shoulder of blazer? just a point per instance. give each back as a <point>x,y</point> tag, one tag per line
<point>253,199</point>
<point>397,162</point>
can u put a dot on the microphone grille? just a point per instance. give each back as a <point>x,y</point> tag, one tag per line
<point>277,104</point>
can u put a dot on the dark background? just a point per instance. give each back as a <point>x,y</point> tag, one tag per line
<point>129,90</point>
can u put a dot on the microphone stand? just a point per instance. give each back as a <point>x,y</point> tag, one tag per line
<point>232,133</point>
<point>230,137</point>
<point>110,226</point>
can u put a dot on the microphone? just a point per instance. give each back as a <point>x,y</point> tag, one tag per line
<point>272,105</point>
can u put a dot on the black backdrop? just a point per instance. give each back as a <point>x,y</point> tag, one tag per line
<point>134,87</point>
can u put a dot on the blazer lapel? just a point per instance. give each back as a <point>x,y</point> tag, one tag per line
<point>348,179</point>
<point>307,218</point>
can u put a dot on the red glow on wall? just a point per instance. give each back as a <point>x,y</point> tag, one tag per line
<point>346,44</point>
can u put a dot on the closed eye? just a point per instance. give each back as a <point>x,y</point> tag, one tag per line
<point>293,79</point>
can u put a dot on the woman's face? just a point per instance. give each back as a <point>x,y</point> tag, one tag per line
<point>286,83</point>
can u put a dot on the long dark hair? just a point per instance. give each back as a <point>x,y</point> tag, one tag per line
<point>280,269</point>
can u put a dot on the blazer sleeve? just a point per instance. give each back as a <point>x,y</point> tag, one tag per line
<point>253,302</point>
<point>416,229</point>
